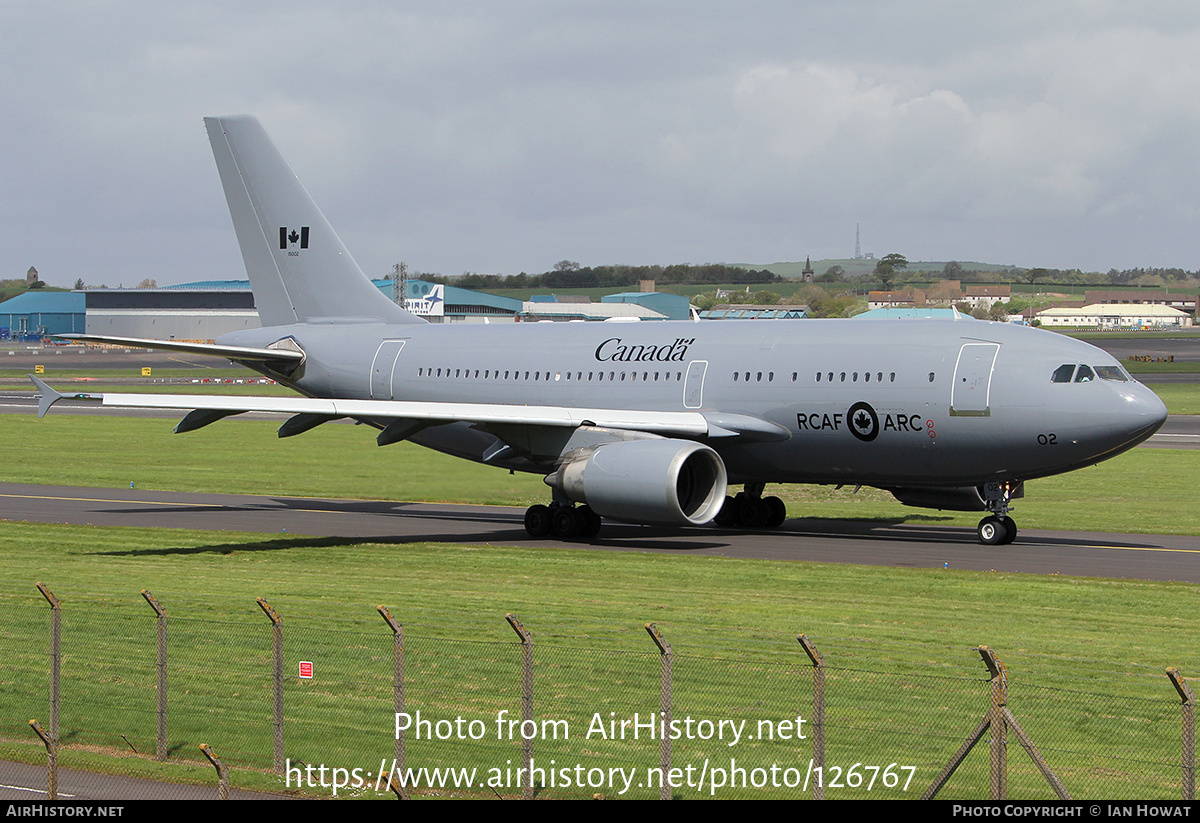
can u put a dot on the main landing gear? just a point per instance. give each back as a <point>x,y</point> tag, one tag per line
<point>998,529</point>
<point>566,521</point>
<point>750,509</point>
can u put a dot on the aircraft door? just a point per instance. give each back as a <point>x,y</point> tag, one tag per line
<point>969,395</point>
<point>693,384</point>
<point>382,368</point>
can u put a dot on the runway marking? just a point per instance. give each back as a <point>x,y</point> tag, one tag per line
<point>104,500</point>
<point>1138,548</point>
<point>27,789</point>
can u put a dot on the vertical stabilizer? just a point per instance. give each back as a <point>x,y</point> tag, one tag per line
<point>299,269</point>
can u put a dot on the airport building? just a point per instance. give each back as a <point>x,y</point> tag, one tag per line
<point>1115,316</point>
<point>205,310</point>
<point>38,313</point>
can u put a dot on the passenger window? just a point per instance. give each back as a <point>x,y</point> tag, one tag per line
<point>1084,375</point>
<point>1063,373</point>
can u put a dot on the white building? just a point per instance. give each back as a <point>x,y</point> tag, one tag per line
<point>1115,316</point>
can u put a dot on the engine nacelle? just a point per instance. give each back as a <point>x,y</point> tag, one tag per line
<point>950,498</point>
<point>654,481</point>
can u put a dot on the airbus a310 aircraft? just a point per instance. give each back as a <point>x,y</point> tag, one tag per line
<point>651,422</point>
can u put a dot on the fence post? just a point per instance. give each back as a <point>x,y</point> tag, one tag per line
<point>55,656</point>
<point>526,700</point>
<point>398,752</point>
<point>997,727</point>
<point>1188,758</point>
<point>160,745</point>
<point>277,655</point>
<point>222,771</point>
<point>818,721</point>
<point>51,760</point>
<point>666,698</point>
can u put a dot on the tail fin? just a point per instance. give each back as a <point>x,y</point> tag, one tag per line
<point>299,269</point>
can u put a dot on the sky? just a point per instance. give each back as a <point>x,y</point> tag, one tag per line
<point>504,137</point>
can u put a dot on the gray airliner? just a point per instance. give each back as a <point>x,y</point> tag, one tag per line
<point>652,422</point>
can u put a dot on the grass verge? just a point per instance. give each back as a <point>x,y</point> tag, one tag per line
<point>904,684</point>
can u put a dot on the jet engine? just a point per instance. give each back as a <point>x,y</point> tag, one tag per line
<point>950,498</point>
<point>656,481</point>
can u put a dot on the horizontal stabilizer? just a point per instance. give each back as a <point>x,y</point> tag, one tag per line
<point>47,396</point>
<point>209,349</point>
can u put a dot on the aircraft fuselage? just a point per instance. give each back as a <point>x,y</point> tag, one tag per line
<point>876,402</point>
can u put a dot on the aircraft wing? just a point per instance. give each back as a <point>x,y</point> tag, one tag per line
<point>210,349</point>
<point>209,408</point>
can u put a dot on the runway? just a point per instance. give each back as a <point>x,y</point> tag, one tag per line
<point>292,522</point>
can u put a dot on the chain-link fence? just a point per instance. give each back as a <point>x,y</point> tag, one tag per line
<point>318,698</point>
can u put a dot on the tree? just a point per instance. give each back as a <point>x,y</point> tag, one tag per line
<point>79,283</point>
<point>566,265</point>
<point>885,269</point>
<point>833,274</point>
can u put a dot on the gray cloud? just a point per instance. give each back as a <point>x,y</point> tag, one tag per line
<point>474,136</point>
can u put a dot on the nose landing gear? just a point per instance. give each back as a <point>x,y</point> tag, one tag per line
<point>998,529</point>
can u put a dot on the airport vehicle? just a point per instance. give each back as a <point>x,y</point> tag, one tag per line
<point>651,422</point>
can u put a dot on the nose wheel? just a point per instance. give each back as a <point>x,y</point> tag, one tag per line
<point>997,530</point>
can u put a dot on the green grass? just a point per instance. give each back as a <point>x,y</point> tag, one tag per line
<point>1181,398</point>
<point>905,685</point>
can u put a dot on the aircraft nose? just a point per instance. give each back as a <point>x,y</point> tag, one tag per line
<point>1143,412</point>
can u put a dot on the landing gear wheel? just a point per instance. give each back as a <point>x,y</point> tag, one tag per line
<point>591,522</point>
<point>566,523</point>
<point>777,512</point>
<point>753,512</point>
<point>1010,530</point>
<point>537,521</point>
<point>727,517</point>
<point>992,531</point>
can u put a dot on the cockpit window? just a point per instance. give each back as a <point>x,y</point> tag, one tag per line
<point>1085,375</point>
<point>1111,373</point>
<point>1063,373</point>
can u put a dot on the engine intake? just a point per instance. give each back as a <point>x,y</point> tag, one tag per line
<point>655,481</point>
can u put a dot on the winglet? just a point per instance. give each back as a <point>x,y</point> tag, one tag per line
<point>47,396</point>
